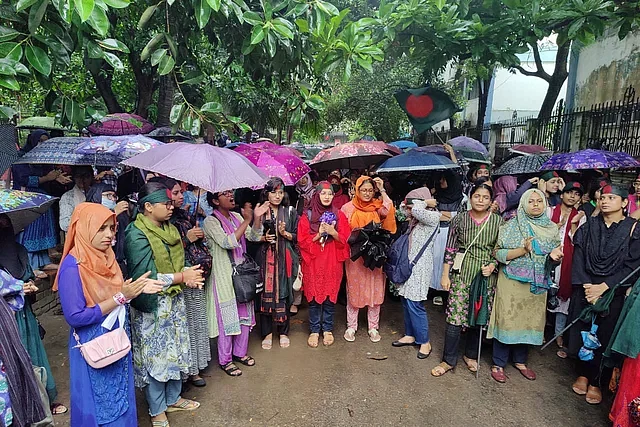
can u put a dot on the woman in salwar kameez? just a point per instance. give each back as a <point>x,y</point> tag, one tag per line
<point>528,247</point>
<point>365,287</point>
<point>91,288</point>
<point>230,321</point>
<point>475,234</point>
<point>160,336</point>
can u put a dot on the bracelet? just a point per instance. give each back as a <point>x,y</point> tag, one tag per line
<point>119,298</point>
<point>181,277</point>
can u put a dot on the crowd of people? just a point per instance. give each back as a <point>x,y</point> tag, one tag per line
<point>158,269</point>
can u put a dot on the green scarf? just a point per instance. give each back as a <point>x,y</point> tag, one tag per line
<point>166,245</point>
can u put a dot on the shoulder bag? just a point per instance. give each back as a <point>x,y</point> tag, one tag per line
<point>107,348</point>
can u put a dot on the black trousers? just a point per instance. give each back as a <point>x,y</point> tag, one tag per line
<point>452,343</point>
<point>266,325</point>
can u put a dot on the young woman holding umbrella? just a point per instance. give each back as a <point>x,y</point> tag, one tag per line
<point>365,287</point>
<point>472,235</point>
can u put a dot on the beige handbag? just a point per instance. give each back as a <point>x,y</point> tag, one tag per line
<point>297,285</point>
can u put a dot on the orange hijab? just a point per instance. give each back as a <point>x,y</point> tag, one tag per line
<point>368,211</point>
<point>100,274</point>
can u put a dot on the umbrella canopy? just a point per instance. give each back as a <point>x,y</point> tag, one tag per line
<point>371,243</point>
<point>590,159</point>
<point>478,301</point>
<point>529,149</point>
<point>23,207</point>
<point>212,168</point>
<point>522,165</point>
<point>415,160</point>
<point>8,147</point>
<point>123,147</point>
<point>121,124</point>
<point>354,155</point>
<point>440,151</point>
<point>474,156</point>
<point>466,143</point>
<point>46,123</point>
<point>270,146</point>
<point>278,162</point>
<point>404,145</point>
<point>62,151</point>
<point>166,133</point>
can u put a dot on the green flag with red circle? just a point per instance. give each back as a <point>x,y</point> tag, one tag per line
<point>426,106</point>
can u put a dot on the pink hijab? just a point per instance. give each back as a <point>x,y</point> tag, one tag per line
<point>503,186</point>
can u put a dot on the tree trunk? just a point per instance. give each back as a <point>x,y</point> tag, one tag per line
<point>483,97</point>
<point>165,100</point>
<point>102,75</point>
<point>145,86</point>
<point>560,74</point>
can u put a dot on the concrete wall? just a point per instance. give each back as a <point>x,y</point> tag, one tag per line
<point>606,68</point>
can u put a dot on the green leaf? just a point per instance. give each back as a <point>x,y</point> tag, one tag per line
<point>283,27</point>
<point>146,16</point>
<point>21,69</point>
<point>215,4</point>
<point>575,27</point>
<point>36,14</point>
<point>195,127</point>
<point>211,107</point>
<point>6,67</point>
<point>303,25</point>
<point>38,59</point>
<point>271,44</point>
<point>150,47</point>
<point>244,128</point>
<point>173,47</point>
<point>7,112</point>
<point>253,18</point>
<point>7,34</point>
<point>203,13</point>
<point>117,4</point>
<point>64,9</point>
<point>157,56</point>
<point>72,111</point>
<point>316,102</point>
<point>327,7</point>
<point>166,65</point>
<point>257,34</point>
<point>61,34</point>
<point>193,77</point>
<point>94,51</point>
<point>84,8</point>
<point>11,50</point>
<point>113,44</point>
<point>99,21</point>
<point>23,4</point>
<point>176,112</point>
<point>59,54</point>
<point>114,61</point>
<point>9,82</point>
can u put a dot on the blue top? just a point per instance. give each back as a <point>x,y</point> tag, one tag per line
<point>99,397</point>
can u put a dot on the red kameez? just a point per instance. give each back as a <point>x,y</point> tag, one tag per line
<point>322,268</point>
<point>628,390</point>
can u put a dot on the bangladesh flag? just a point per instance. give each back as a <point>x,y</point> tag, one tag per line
<point>426,106</point>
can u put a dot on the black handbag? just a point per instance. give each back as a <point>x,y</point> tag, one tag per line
<point>247,279</point>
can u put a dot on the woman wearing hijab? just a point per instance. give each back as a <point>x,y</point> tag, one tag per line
<point>280,262</point>
<point>14,260</point>
<point>606,250</point>
<point>339,197</point>
<point>475,234</point>
<point>527,247</point>
<point>323,248</point>
<point>227,233</point>
<point>305,190</point>
<point>424,223</point>
<point>42,234</point>
<point>91,287</point>
<point>508,194</point>
<point>365,287</point>
<point>159,331</point>
<point>106,196</point>
<point>20,402</point>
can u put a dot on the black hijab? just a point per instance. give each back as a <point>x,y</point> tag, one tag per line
<point>94,193</point>
<point>32,141</point>
<point>453,192</point>
<point>13,256</point>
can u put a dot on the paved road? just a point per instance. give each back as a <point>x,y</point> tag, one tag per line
<point>339,386</point>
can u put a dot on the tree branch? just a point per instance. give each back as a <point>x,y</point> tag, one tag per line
<point>536,57</point>
<point>536,73</point>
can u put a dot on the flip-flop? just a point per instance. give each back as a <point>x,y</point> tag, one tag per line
<point>186,405</point>
<point>327,338</point>
<point>267,344</point>
<point>472,365</point>
<point>285,342</point>
<point>444,368</point>
<point>164,423</point>
<point>58,409</point>
<point>312,341</point>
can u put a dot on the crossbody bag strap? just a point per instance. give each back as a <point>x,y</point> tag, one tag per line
<point>479,233</point>
<point>424,247</point>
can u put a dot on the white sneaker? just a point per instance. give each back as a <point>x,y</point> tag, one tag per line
<point>350,335</point>
<point>374,336</point>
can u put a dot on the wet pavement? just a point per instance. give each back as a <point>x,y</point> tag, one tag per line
<point>341,386</point>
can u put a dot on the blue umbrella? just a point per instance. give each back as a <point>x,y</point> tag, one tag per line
<point>23,207</point>
<point>404,145</point>
<point>62,151</point>
<point>413,161</point>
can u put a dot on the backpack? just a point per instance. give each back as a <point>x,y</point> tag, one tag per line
<point>398,267</point>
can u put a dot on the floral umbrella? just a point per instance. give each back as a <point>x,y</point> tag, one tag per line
<point>123,147</point>
<point>522,165</point>
<point>62,151</point>
<point>354,155</point>
<point>278,162</point>
<point>24,207</point>
<point>121,124</point>
<point>590,159</point>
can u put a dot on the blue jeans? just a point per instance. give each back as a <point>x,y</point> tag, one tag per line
<point>416,323</point>
<point>321,313</point>
<point>161,395</point>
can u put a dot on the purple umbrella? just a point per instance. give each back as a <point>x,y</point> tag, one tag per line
<point>212,168</point>
<point>440,151</point>
<point>466,143</point>
<point>276,162</point>
<point>590,159</point>
<point>121,124</point>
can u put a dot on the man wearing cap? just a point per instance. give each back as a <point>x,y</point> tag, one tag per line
<point>568,219</point>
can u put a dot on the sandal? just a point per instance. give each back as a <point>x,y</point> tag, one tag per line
<point>350,335</point>
<point>164,423</point>
<point>374,335</point>
<point>580,386</point>
<point>594,395</point>
<point>562,353</point>
<point>186,405</point>
<point>327,338</point>
<point>246,360</point>
<point>291,310</point>
<point>472,365</point>
<point>285,342</point>
<point>197,381</point>
<point>441,369</point>
<point>267,343</point>
<point>58,409</point>
<point>231,369</point>
<point>312,341</point>
<point>526,372</point>
<point>497,373</point>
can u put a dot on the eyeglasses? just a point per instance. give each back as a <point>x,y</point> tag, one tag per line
<point>227,193</point>
<point>367,191</point>
<point>168,204</point>
<point>110,196</point>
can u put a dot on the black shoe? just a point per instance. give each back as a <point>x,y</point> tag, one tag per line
<point>402,344</point>
<point>424,356</point>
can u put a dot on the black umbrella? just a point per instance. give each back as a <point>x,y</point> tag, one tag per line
<point>370,243</point>
<point>8,147</point>
<point>522,165</point>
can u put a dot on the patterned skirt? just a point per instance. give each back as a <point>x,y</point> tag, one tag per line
<point>199,350</point>
<point>458,307</point>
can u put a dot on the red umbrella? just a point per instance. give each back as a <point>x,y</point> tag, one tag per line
<point>121,124</point>
<point>353,155</point>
